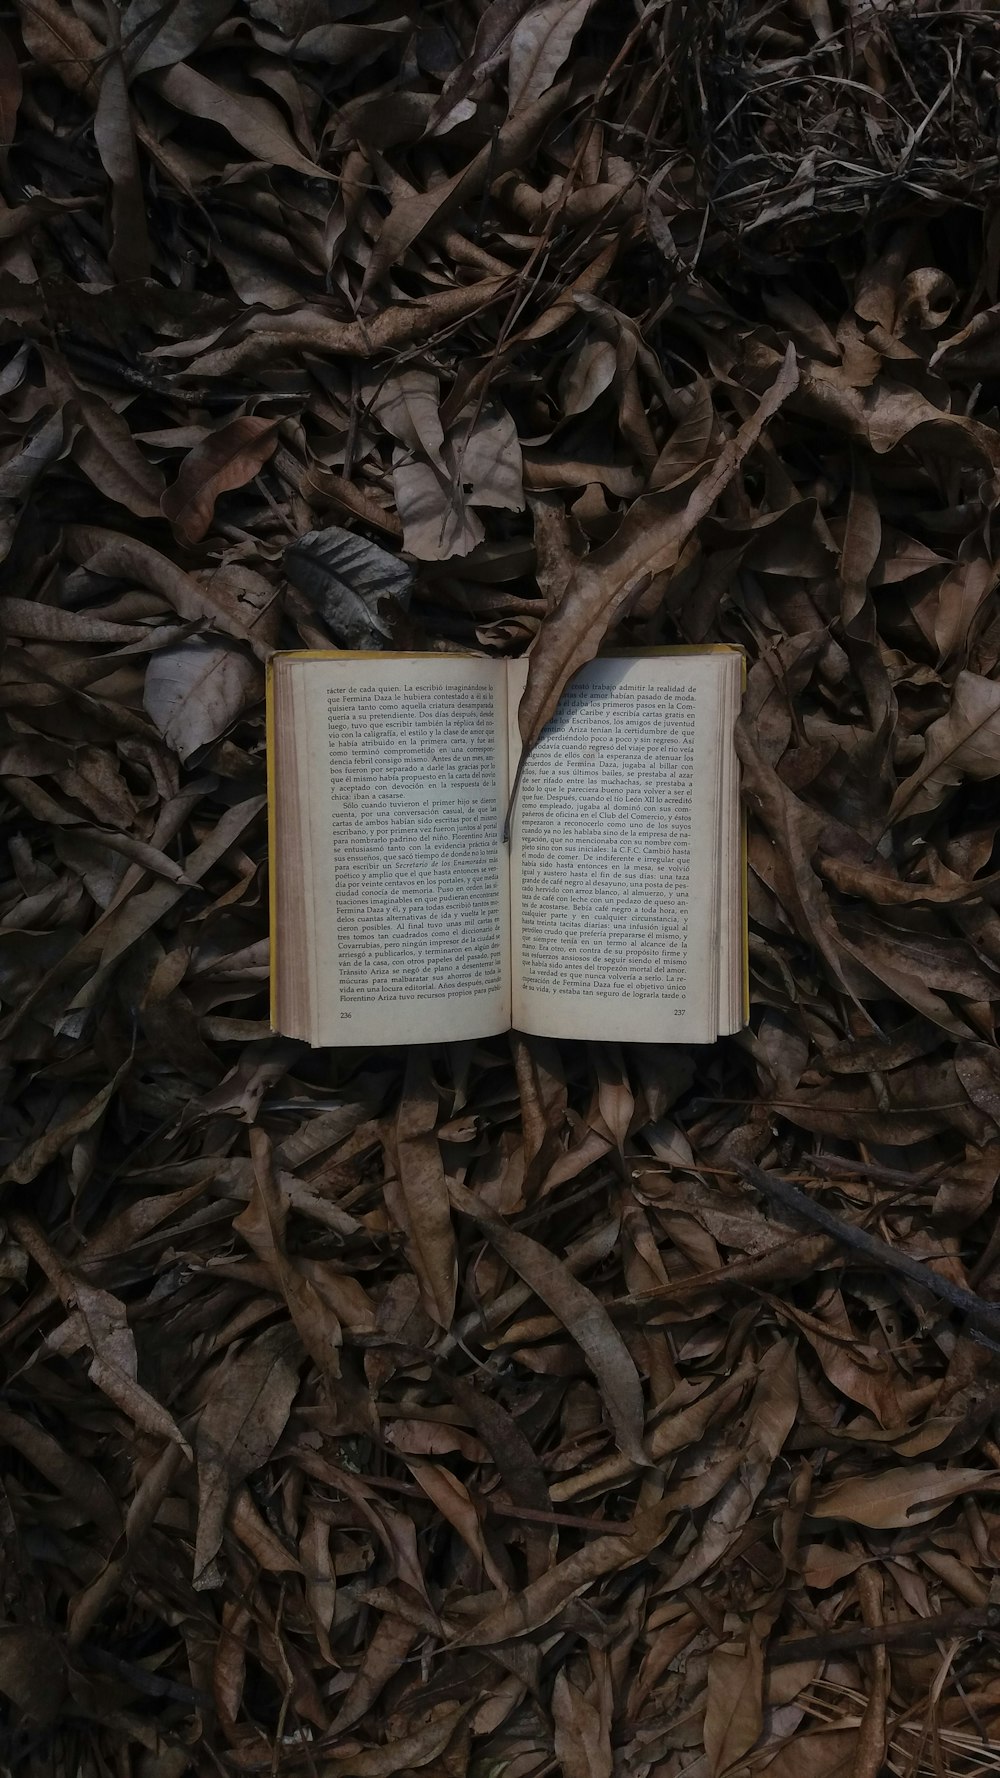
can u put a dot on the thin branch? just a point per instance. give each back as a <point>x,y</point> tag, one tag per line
<point>985,1315</point>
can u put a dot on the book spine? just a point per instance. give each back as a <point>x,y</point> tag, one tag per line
<point>744,878</point>
<point>272,847</point>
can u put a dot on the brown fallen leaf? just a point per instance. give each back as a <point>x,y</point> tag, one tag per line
<point>120,556</point>
<point>963,743</point>
<point>63,43</point>
<point>455,1504</point>
<point>581,1736</point>
<point>388,1648</point>
<point>395,326</point>
<point>226,459</point>
<point>40,1152</point>
<point>518,1467</point>
<point>417,1749</point>
<point>890,413</point>
<point>648,542</point>
<point>129,255</point>
<point>71,1475</point>
<point>543,1598</point>
<point>491,42</point>
<point>98,1319</point>
<point>972,352</point>
<point>579,1311</point>
<point>415,212</point>
<point>769,1419</point>
<point>253,122</point>
<point>897,1497</point>
<point>11,91</point>
<point>540,44</point>
<point>32,1673</point>
<point>244,1416</point>
<point>262,1226</point>
<point>420,1197</point>
<point>734,1714</point>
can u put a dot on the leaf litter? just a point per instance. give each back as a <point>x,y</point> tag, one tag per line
<point>509,1407</point>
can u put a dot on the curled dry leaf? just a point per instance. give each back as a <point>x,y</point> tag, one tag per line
<point>195,692</point>
<point>647,543</point>
<point>262,1225</point>
<point>734,1713</point>
<point>421,1200</point>
<point>11,91</point>
<point>359,589</point>
<point>592,1329</point>
<point>581,1732</point>
<point>115,141</point>
<point>540,45</point>
<point>963,743</point>
<point>226,459</point>
<point>898,1497</point>
<point>244,1416</point>
<point>253,122</point>
<point>154,38</point>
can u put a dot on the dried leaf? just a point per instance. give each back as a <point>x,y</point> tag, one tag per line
<point>897,1497</point>
<point>122,557</point>
<point>734,1713</point>
<point>196,691</point>
<point>648,542</point>
<point>580,1313</point>
<point>963,743</point>
<point>156,36</point>
<point>262,1225</point>
<point>226,459</point>
<point>241,1422</point>
<point>582,1740</point>
<point>254,123</point>
<point>769,1419</point>
<point>129,255</point>
<point>543,1598</point>
<point>11,90</point>
<point>32,1675</point>
<point>422,1201</point>
<point>493,33</point>
<point>413,213</point>
<point>540,46</point>
<point>358,588</point>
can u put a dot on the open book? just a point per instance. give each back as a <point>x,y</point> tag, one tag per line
<point>398,914</point>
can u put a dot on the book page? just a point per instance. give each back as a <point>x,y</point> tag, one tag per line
<point>399,879</point>
<point>615,853</point>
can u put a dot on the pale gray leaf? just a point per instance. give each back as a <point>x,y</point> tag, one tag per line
<point>240,1424</point>
<point>359,589</point>
<point>195,691</point>
<point>157,33</point>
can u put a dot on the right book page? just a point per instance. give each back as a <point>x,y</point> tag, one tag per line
<point>626,895</point>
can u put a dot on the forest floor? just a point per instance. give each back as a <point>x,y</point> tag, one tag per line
<point>514,1408</point>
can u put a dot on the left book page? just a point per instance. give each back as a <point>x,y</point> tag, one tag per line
<point>390,918</point>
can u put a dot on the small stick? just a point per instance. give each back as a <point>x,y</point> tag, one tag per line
<point>141,1679</point>
<point>880,1253</point>
<point>974,1622</point>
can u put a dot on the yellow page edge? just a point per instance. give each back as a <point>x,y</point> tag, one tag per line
<point>272,850</point>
